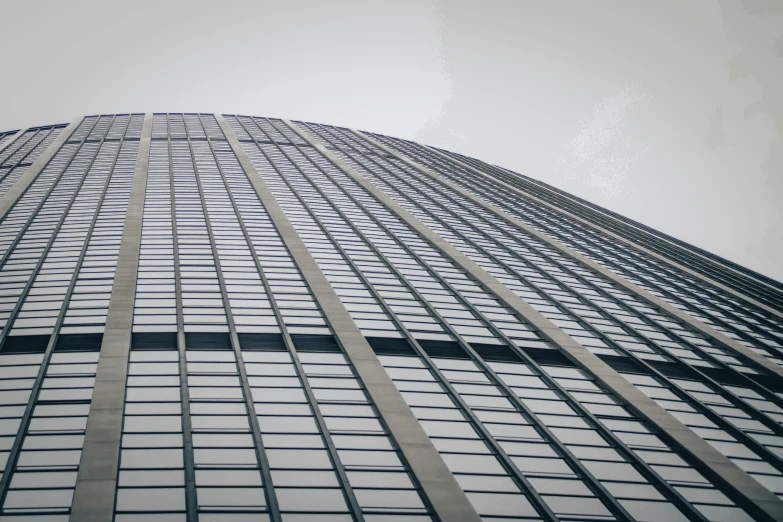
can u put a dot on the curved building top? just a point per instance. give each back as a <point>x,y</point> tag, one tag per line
<point>233,318</point>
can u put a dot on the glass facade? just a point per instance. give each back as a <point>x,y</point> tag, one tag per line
<point>233,318</point>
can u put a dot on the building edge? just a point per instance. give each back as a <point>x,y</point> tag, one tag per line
<point>617,237</point>
<point>762,502</point>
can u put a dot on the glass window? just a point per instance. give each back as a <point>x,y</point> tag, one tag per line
<point>301,499</point>
<point>148,499</point>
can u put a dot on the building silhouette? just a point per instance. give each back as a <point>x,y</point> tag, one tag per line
<point>232,318</point>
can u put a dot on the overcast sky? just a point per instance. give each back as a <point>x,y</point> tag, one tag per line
<point>669,112</point>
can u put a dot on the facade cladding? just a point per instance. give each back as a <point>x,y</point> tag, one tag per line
<point>230,318</point>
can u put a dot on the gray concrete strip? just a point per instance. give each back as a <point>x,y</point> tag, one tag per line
<point>721,469</point>
<point>652,299</point>
<point>13,139</point>
<point>617,237</point>
<point>444,493</point>
<point>93,499</point>
<point>10,197</point>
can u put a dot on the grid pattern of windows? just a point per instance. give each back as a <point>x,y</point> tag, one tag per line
<point>6,137</point>
<point>514,255</point>
<point>61,242</point>
<point>713,419</point>
<point>725,272</point>
<point>358,222</point>
<point>76,231</point>
<point>747,324</point>
<point>394,274</point>
<point>269,415</point>
<point>47,461</point>
<point>240,395</point>
<point>718,269</point>
<point>19,155</point>
<point>536,271</point>
<point>607,320</point>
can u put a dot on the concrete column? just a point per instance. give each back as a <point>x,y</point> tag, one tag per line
<point>755,497</point>
<point>444,493</point>
<point>93,500</point>
<point>10,197</point>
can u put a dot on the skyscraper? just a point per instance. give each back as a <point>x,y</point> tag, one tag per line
<point>232,318</point>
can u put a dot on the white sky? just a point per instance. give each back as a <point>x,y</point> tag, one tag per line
<point>669,112</point>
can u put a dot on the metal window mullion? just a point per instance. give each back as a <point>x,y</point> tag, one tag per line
<point>274,508</point>
<point>74,277</point>
<point>15,192</point>
<point>540,504</point>
<point>650,249</point>
<point>332,450</point>
<point>506,248</point>
<point>766,454</point>
<point>606,294</point>
<point>629,454</point>
<point>754,412</point>
<point>770,457</point>
<point>730,310</point>
<point>705,411</point>
<point>595,484</point>
<point>437,482</point>
<point>682,283</point>
<point>606,259</point>
<point>36,388</point>
<point>763,311</point>
<point>350,263</point>
<point>191,502</point>
<point>614,506</point>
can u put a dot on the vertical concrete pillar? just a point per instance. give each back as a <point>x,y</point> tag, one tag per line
<point>93,499</point>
